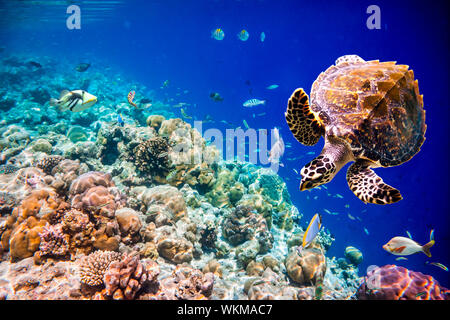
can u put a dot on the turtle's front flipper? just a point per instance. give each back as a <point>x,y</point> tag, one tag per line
<point>306,127</point>
<point>369,187</point>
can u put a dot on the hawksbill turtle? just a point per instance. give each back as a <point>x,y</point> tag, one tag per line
<point>369,112</point>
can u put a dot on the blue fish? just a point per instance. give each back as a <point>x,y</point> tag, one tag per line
<point>120,120</point>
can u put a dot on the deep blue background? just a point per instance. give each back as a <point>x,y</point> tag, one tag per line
<point>152,41</point>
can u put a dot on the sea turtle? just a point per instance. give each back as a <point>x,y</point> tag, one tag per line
<point>369,112</point>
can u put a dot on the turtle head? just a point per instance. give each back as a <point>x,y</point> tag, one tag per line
<point>319,171</point>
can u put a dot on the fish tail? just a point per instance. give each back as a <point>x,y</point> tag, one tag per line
<point>426,248</point>
<point>54,102</point>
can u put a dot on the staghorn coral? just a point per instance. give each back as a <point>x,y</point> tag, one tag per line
<point>391,282</point>
<point>307,268</point>
<point>93,267</point>
<point>152,156</point>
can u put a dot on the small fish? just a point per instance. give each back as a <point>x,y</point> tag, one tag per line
<point>75,101</point>
<point>401,258</point>
<point>261,114</point>
<point>245,124</point>
<point>439,265</point>
<point>82,67</point>
<point>421,294</point>
<point>409,234</point>
<point>184,114</point>
<point>8,168</point>
<point>243,35</point>
<point>327,211</point>
<point>130,98</point>
<point>165,84</point>
<point>120,120</point>
<point>311,232</point>
<point>366,231</point>
<point>310,153</point>
<point>277,149</point>
<point>217,34</point>
<point>253,103</point>
<point>272,86</point>
<point>347,206</point>
<point>350,216</point>
<point>296,172</point>
<point>215,96</point>
<point>402,246</point>
<point>339,196</point>
<point>262,36</point>
<point>316,197</point>
<point>35,64</point>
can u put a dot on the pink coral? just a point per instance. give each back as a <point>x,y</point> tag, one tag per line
<point>124,279</point>
<point>392,282</point>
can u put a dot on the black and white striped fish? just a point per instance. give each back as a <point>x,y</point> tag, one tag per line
<point>75,101</point>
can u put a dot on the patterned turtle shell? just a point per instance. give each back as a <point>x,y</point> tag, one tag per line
<point>375,106</point>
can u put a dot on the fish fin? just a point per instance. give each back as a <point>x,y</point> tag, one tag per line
<point>426,248</point>
<point>432,235</point>
<point>54,102</point>
<point>400,249</point>
<point>63,93</point>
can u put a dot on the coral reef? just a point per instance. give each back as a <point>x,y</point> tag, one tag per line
<point>308,267</point>
<point>391,282</point>
<point>92,268</point>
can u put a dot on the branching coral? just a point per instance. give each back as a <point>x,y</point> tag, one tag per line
<point>152,156</point>
<point>93,267</point>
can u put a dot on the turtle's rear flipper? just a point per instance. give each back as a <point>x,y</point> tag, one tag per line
<point>306,127</point>
<point>369,187</point>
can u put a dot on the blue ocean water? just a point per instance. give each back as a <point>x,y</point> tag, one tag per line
<point>153,41</point>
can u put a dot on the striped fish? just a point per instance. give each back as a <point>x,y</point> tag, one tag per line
<point>130,98</point>
<point>75,101</point>
<point>253,103</point>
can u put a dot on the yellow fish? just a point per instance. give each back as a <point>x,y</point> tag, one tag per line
<point>184,114</point>
<point>311,232</point>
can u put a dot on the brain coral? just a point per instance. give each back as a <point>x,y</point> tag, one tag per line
<point>392,282</point>
<point>308,268</point>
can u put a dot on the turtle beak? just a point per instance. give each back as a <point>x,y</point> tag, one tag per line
<point>305,185</point>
